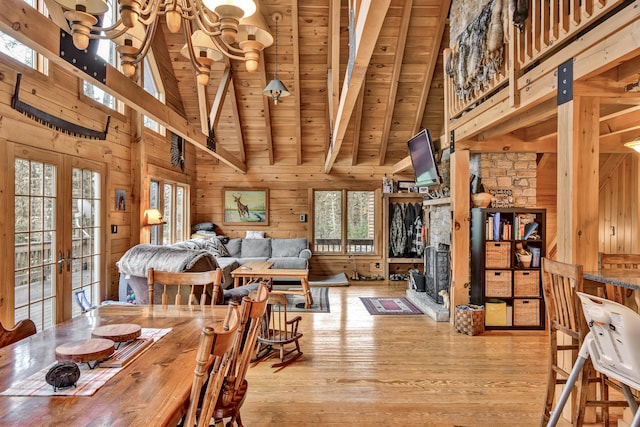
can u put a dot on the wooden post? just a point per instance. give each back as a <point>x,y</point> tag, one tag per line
<point>578,181</point>
<point>460,229</point>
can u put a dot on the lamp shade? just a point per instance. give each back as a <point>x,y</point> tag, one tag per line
<point>202,43</point>
<point>247,6</point>
<point>254,27</point>
<point>153,217</point>
<point>93,7</point>
<point>275,89</point>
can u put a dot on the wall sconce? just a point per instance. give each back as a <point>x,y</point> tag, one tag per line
<point>153,217</point>
<point>635,144</point>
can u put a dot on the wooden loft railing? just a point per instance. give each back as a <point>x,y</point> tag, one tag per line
<point>551,24</point>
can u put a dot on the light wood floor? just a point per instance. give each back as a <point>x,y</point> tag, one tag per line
<point>363,370</point>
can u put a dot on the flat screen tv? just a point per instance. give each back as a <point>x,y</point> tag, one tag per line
<point>423,160</point>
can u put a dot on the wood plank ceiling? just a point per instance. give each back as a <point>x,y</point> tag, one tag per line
<point>397,90</point>
<point>402,89</point>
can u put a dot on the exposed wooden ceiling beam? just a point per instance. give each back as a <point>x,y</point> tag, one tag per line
<point>395,77</point>
<point>35,30</point>
<point>433,61</point>
<point>333,60</point>
<point>221,94</point>
<point>237,124</point>
<point>402,165</point>
<point>539,113</point>
<point>357,120</point>
<point>368,25</point>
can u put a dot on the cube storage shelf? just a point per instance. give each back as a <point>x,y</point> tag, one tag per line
<point>510,290</point>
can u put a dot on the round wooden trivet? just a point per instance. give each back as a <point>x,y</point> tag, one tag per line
<point>121,332</point>
<point>85,351</point>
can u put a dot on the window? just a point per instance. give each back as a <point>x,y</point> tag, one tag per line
<point>344,222</point>
<point>153,85</point>
<point>107,51</point>
<point>20,52</point>
<point>172,199</point>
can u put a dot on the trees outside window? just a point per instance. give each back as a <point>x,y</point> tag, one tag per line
<point>172,199</point>
<point>344,222</point>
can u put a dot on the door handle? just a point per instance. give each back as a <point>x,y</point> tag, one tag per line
<point>68,260</point>
<point>60,261</point>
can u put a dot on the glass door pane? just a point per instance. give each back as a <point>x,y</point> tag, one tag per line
<point>35,235</point>
<point>85,239</point>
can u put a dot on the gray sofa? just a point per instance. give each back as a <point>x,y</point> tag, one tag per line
<point>203,255</point>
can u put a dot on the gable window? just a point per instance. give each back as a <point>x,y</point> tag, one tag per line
<point>153,85</point>
<point>344,222</point>
<point>20,52</point>
<point>106,49</point>
<point>172,199</point>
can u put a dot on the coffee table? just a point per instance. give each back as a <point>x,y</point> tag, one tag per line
<point>258,269</point>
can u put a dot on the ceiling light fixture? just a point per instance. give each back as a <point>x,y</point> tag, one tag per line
<point>212,28</point>
<point>276,89</point>
<point>635,144</point>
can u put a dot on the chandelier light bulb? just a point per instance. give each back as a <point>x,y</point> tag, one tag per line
<point>81,23</point>
<point>130,12</point>
<point>174,17</point>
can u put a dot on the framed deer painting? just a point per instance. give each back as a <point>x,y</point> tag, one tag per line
<point>245,206</point>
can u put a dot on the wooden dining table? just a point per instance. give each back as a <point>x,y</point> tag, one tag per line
<point>152,390</point>
<point>626,278</point>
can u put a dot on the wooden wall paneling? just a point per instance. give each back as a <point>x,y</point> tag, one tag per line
<point>546,195</point>
<point>7,231</point>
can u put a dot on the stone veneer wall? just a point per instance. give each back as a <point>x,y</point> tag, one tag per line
<point>508,171</point>
<point>440,215</point>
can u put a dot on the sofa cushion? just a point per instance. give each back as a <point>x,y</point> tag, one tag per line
<point>281,248</point>
<point>288,262</point>
<point>234,247</point>
<point>254,248</point>
<point>243,261</point>
<point>216,247</point>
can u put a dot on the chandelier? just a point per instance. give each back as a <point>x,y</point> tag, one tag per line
<point>212,29</point>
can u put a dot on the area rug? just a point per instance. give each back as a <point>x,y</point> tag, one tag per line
<point>339,279</point>
<point>320,302</point>
<point>399,305</point>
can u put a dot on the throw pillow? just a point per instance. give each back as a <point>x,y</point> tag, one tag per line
<point>254,235</point>
<point>257,248</point>
<point>216,247</point>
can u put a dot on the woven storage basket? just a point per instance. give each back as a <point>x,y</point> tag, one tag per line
<point>526,283</point>
<point>497,283</point>
<point>469,322</point>
<point>526,312</point>
<point>497,255</point>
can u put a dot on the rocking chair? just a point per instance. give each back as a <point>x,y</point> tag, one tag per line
<point>278,333</point>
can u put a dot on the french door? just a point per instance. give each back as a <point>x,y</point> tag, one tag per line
<point>58,235</point>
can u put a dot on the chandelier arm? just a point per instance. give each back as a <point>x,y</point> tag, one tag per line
<point>199,12</point>
<point>151,7</point>
<point>226,50</point>
<point>141,53</point>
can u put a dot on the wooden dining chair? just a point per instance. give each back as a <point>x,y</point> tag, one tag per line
<point>205,279</point>
<point>608,261</point>
<point>279,333</point>
<point>21,330</point>
<point>560,282</point>
<point>212,362</point>
<point>234,388</point>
